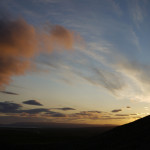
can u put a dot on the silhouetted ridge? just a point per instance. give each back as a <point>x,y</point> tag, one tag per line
<point>131,136</point>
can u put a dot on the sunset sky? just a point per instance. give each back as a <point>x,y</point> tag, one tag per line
<point>74,61</point>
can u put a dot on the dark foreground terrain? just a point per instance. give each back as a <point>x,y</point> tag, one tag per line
<point>26,138</point>
<point>132,136</point>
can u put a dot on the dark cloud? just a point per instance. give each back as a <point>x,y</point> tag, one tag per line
<point>133,114</point>
<point>13,109</point>
<point>116,110</point>
<point>32,102</point>
<point>65,108</point>
<point>124,115</point>
<point>93,111</point>
<point>34,111</point>
<point>128,107</point>
<point>114,118</point>
<point>86,115</point>
<point>8,92</point>
<point>55,114</point>
<point>45,111</point>
<point>9,107</point>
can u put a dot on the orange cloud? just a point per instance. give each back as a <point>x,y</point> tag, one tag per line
<point>20,41</point>
<point>17,45</point>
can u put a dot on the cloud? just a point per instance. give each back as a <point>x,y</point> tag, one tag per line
<point>133,114</point>
<point>124,76</point>
<point>86,115</point>
<point>56,114</point>
<point>60,37</point>
<point>8,92</point>
<point>9,107</point>
<point>116,110</point>
<point>42,112</point>
<point>136,74</point>
<point>88,112</point>
<point>20,42</point>
<point>94,111</point>
<point>32,102</point>
<point>128,107</point>
<point>34,111</point>
<point>114,118</point>
<point>17,44</point>
<point>14,108</point>
<point>124,115</point>
<point>65,108</point>
<point>107,79</point>
<point>137,11</point>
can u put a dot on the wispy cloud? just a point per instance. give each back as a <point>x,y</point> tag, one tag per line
<point>137,9</point>
<point>106,79</point>
<point>115,7</point>
<point>8,92</point>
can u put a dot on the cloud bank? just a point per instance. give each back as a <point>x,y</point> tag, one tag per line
<point>11,109</point>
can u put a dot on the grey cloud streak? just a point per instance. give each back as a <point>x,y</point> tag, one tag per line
<point>104,78</point>
<point>65,108</point>
<point>116,110</point>
<point>32,102</point>
<point>8,92</point>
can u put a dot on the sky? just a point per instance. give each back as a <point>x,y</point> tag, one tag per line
<point>74,61</point>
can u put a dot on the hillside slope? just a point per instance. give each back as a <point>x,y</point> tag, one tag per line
<point>132,136</point>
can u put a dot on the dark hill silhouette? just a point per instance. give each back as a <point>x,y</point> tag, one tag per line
<point>132,136</point>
